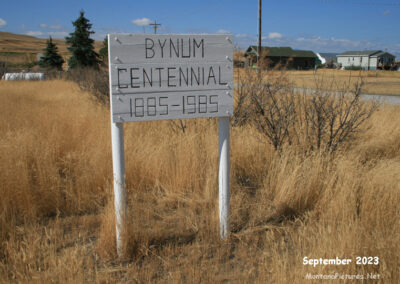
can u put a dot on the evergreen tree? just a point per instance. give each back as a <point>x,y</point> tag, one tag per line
<point>81,45</point>
<point>51,58</point>
<point>104,50</point>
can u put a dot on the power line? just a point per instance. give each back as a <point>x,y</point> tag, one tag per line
<point>155,26</point>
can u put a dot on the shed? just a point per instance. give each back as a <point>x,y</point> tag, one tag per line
<point>284,56</point>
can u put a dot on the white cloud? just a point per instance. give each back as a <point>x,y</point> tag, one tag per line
<point>101,33</point>
<point>244,40</point>
<point>316,43</point>
<point>34,33</point>
<point>242,35</point>
<point>3,23</point>
<point>58,34</point>
<point>48,30</point>
<point>274,36</point>
<point>142,22</point>
<point>55,27</point>
<point>52,27</point>
<point>321,44</point>
<point>221,31</point>
<point>198,31</point>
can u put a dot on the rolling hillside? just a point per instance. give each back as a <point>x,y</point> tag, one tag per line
<point>18,49</point>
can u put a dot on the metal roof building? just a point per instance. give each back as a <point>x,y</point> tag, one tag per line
<point>366,59</point>
<point>284,56</point>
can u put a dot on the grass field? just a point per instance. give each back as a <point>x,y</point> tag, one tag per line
<point>18,59</point>
<point>56,206</point>
<point>374,82</point>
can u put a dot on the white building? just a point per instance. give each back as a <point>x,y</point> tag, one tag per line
<point>367,59</point>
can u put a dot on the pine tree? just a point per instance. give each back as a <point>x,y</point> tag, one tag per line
<point>51,58</point>
<point>81,45</point>
<point>104,50</point>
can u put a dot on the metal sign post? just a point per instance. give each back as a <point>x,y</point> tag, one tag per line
<point>117,136</point>
<point>223,176</point>
<point>159,77</point>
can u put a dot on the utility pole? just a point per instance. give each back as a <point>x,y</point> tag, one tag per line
<point>155,26</point>
<point>259,35</point>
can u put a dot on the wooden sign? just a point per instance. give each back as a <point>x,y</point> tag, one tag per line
<point>158,77</point>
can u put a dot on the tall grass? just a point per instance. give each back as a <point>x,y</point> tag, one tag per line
<point>56,206</point>
<point>375,82</point>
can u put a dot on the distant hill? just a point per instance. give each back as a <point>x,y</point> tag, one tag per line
<point>20,50</point>
<point>10,42</point>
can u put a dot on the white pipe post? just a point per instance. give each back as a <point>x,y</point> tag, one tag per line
<point>117,136</point>
<point>224,176</point>
<point>118,156</point>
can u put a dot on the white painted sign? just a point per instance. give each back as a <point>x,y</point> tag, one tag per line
<point>158,77</point>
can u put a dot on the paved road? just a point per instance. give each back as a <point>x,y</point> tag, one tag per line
<point>386,99</point>
<point>394,100</point>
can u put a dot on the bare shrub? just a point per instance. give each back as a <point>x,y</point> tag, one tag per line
<point>269,106</point>
<point>52,73</point>
<point>178,126</point>
<point>242,106</point>
<point>92,80</point>
<point>334,116</point>
<point>238,58</point>
<point>315,118</point>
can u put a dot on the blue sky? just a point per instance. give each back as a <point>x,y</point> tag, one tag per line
<point>319,25</point>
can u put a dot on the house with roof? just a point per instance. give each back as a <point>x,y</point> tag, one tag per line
<point>367,59</point>
<point>283,56</point>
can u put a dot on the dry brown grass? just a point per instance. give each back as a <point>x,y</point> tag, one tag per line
<point>29,44</point>
<point>15,58</point>
<point>375,82</point>
<point>56,206</point>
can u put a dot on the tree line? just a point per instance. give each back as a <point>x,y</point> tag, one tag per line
<point>81,47</point>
